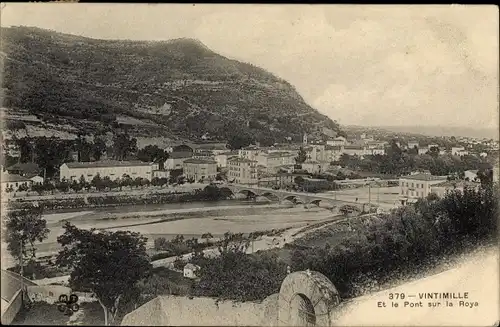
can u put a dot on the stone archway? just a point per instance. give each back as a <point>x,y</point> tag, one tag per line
<point>306,299</point>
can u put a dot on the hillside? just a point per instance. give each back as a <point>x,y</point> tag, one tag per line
<point>174,88</point>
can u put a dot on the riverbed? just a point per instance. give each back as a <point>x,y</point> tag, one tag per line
<point>188,219</point>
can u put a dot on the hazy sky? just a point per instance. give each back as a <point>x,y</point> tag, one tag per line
<point>367,65</point>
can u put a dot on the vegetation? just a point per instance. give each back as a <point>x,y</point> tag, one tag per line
<point>176,87</point>
<point>21,229</point>
<point>393,245</point>
<point>235,275</point>
<point>109,264</point>
<point>398,162</point>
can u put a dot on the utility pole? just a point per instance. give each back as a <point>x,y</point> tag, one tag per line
<point>369,194</point>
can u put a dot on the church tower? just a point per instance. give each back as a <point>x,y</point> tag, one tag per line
<point>304,139</point>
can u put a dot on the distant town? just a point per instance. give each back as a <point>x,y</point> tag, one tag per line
<point>321,164</point>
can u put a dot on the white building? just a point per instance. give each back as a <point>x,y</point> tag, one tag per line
<point>457,151</point>
<point>470,175</point>
<point>315,167</point>
<point>317,152</point>
<point>242,171</point>
<point>250,152</point>
<point>413,144</point>
<point>274,160</point>
<point>376,151</point>
<point>339,140</point>
<point>112,169</point>
<point>221,158</point>
<point>14,181</point>
<point>176,159</point>
<point>199,169</point>
<point>190,270</point>
<point>416,186</point>
<point>422,151</point>
<point>333,152</point>
<point>357,150</point>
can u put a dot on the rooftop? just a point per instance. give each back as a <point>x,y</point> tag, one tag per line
<point>12,178</point>
<point>106,163</point>
<point>279,154</point>
<point>460,184</point>
<point>180,155</point>
<point>424,177</point>
<point>238,159</point>
<point>25,167</point>
<point>200,161</point>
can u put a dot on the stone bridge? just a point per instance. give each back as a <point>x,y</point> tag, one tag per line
<point>296,197</point>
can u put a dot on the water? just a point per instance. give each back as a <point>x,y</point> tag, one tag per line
<point>164,206</point>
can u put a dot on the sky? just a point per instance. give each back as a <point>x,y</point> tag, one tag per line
<point>361,65</point>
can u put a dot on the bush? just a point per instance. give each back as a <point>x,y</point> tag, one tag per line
<point>405,241</point>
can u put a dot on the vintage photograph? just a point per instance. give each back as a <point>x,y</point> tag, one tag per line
<point>249,165</point>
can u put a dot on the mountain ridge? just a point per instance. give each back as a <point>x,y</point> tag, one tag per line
<point>178,87</point>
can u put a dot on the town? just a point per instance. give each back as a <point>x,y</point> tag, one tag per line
<point>322,165</point>
<point>248,165</point>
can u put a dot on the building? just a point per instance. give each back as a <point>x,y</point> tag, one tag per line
<point>416,186</point>
<point>315,185</point>
<point>422,151</point>
<point>13,182</point>
<point>176,159</point>
<point>221,158</point>
<point>455,151</point>
<point>200,169</point>
<point>204,154</point>
<point>110,168</point>
<point>413,144</point>
<point>339,140</point>
<point>214,148</point>
<point>24,169</point>
<point>317,152</point>
<point>249,152</point>
<point>315,167</point>
<point>470,175</point>
<point>242,171</point>
<point>274,160</point>
<point>190,270</point>
<point>495,174</point>
<point>333,152</point>
<point>376,151</point>
<point>441,189</point>
<point>355,150</point>
<point>35,179</point>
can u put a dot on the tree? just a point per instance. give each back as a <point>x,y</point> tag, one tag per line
<point>98,148</point>
<point>77,187</point>
<point>109,264</point>
<point>301,157</point>
<point>123,145</point>
<point>22,228</point>
<point>207,236</point>
<point>152,153</point>
<point>239,141</point>
<point>97,183</point>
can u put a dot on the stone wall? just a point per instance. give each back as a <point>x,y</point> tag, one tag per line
<point>305,299</point>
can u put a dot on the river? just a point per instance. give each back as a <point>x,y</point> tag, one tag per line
<point>190,219</point>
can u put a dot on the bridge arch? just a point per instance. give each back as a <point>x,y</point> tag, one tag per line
<point>293,198</point>
<point>307,299</point>
<point>271,196</point>
<point>247,193</point>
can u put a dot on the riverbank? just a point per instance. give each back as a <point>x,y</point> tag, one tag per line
<point>121,198</point>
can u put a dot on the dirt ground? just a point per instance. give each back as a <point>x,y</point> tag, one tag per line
<point>90,314</point>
